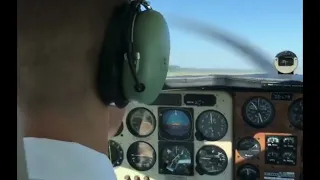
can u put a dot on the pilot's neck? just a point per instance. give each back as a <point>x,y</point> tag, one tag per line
<point>77,130</point>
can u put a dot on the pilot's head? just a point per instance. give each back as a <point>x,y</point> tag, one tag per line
<point>59,43</point>
<point>78,61</point>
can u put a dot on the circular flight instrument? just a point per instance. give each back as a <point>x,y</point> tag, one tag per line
<point>296,114</point>
<point>115,153</point>
<point>141,156</point>
<point>176,123</point>
<point>212,125</point>
<point>141,122</point>
<point>248,147</point>
<point>258,112</point>
<point>177,160</point>
<point>248,172</point>
<point>211,160</point>
<point>119,130</point>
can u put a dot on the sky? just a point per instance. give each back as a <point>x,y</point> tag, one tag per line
<point>271,25</point>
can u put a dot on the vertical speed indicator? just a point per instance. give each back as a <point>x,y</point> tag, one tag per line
<point>211,160</point>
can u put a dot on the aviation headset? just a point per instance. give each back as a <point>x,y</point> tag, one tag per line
<point>135,57</point>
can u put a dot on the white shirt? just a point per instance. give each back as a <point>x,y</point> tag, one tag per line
<point>58,160</point>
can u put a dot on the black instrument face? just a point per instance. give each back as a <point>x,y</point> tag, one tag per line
<point>212,125</point>
<point>289,157</point>
<point>273,157</point>
<point>273,141</point>
<point>248,172</point>
<point>141,156</point>
<point>141,122</point>
<point>211,160</point>
<point>119,130</point>
<point>175,124</point>
<point>115,153</point>
<point>248,147</point>
<point>281,150</point>
<point>258,112</point>
<point>176,160</point>
<point>296,114</point>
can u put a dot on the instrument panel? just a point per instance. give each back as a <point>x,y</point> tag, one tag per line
<point>211,135</point>
<point>268,135</point>
<point>183,135</point>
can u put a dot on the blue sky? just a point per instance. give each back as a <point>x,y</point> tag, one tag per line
<point>272,25</point>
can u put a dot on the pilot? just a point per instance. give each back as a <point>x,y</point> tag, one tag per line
<point>66,124</point>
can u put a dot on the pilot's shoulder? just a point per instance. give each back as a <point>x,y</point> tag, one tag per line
<point>50,159</point>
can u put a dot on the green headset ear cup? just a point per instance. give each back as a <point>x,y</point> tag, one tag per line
<point>151,38</point>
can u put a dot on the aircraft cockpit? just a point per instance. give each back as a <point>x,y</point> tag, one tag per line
<point>251,129</point>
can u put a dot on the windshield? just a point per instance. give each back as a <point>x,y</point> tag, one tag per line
<point>271,26</point>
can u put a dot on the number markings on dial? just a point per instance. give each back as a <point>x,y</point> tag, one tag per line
<point>212,125</point>
<point>141,156</point>
<point>211,160</point>
<point>258,112</point>
<point>296,114</point>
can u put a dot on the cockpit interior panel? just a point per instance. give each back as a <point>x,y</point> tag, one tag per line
<point>268,135</point>
<point>186,135</point>
<point>182,135</point>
